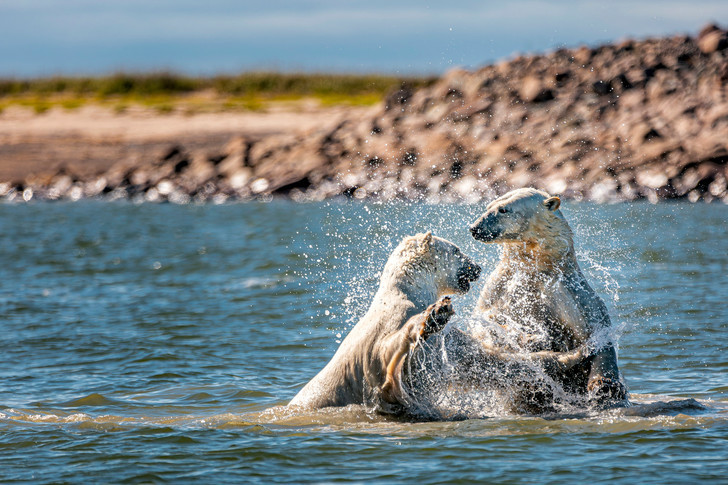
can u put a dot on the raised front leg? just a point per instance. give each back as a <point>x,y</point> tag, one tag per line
<point>420,326</point>
<point>436,317</point>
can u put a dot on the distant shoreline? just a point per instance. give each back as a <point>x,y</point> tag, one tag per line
<point>635,120</point>
<point>87,142</point>
<point>167,92</point>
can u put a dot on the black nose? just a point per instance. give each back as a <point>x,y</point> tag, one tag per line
<point>473,272</point>
<point>477,232</point>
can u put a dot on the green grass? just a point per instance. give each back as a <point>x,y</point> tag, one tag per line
<point>167,91</point>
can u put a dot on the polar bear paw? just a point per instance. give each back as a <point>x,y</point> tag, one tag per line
<point>605,389</point>
<point>438,314</point>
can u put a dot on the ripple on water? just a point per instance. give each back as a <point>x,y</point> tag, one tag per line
<point>160,343</point>
<point>645,413</point>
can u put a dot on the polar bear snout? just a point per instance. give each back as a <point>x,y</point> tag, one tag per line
<point>485,228</point>
<point>467,274</point>
<point>471,271</point>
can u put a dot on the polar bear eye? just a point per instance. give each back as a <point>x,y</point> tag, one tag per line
<point>502,210</point>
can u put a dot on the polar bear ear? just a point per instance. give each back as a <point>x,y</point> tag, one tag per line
<point>427,238</point>
<point>552,203</point>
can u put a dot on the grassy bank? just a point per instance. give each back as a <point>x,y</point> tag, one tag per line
<point>167,91</point>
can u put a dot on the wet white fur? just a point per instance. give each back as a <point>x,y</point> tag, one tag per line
<point>420,270</point>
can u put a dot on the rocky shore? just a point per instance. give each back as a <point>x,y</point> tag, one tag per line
<point>633,120</point>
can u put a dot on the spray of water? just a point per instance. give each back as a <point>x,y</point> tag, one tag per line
<point>360,237</point>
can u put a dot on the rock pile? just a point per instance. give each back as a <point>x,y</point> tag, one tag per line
<point>637,119</point>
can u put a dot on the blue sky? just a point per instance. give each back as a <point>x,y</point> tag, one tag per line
<point>45,37</point>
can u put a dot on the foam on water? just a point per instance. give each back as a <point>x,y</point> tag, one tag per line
<point>647,412</point>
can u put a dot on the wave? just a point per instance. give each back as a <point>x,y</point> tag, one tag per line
<point>645,412</point>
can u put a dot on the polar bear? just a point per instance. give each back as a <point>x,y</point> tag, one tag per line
<point>539,295</point>
<point>371,366</point>
<point>369,363</point>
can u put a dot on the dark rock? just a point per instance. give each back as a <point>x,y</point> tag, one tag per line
<point>532,90</point>
<point>652,134</point>
<point>712,39</point>
<point>398,98</point>
<point>601,87</point>
<point>713,42</point>
<point>285,187</point>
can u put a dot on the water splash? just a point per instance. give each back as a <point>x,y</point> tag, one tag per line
<point>648,412</point>
<point>379,226</point>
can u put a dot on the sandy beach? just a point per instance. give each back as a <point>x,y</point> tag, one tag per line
<point>91,139</point>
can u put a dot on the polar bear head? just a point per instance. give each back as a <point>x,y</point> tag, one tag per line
<point>523,215</point>
<point>431,264</point>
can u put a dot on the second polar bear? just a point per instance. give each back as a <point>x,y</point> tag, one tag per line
<point>538,290</point>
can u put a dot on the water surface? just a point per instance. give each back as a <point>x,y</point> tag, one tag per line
<point>152,343</point>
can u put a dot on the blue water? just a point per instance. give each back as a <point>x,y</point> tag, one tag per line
<point>158,343</point>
